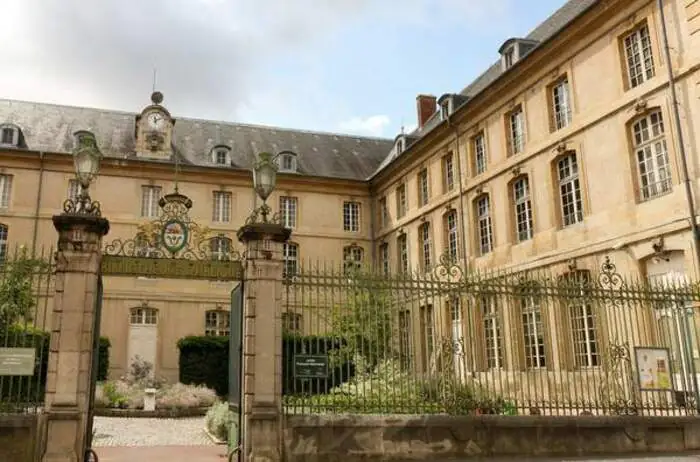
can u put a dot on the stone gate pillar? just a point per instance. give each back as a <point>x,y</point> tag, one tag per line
<point>262,342</point>
<point>70,355</point>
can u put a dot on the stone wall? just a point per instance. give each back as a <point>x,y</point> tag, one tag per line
<point>18,438</point>
<point>332,438</point>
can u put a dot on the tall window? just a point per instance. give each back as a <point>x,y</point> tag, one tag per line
<point>457,334</point>
<point>427,340</point>
<point>5,190</point>
<point>452,235</point>
<point>383,213</point>
<point>405,338</point>
<point>493,341</point>
<point>288,211</point>
<point>479,148</point>
<point>73,189</point>
<point>3,242</point>
<point>569,190</point>
<point>402,253</point>
<point>648,136</point>
<point>292,322</point>
<point>401,201</point>
<point>638,56</point>
<point>523,209</point>
<point>561,104</point>
<point>291,258</point>
<point>448,172</point>
<point>150,195</point>
<point>221,212</point>
<point>384,258</point>
<point>426,244</point>
<point>483,224</point>
<point>217,323</point>
<point>351,216</point>
<point>220,248</point>
<point>516,131</point>
<point>352,257</point>
<point>143,316</point>
<point>423,187</point>
<point>582,320</point>
<point>533,330</point>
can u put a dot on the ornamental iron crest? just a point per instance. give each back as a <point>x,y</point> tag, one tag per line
<point>173,245</point>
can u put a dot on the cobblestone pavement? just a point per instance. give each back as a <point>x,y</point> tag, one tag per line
<point>120,431</point>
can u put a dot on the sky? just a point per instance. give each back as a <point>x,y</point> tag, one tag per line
<point>345,66</point>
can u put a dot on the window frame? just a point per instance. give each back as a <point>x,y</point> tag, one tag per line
<point>403,260</point>
<point>149,205</point>
<point>352,215</point>
<point>423,178</point>
<point>484,225</point>
<point>221,211</point>
<point>452,234</point>
<point>4,239</point>
<point>516,141</point>
<point>144,314</point>
<point>401,200</point>
<point>576,191</point>
<point>353,257</point>
<point>384,258</point>
<point>6,183</point>
<point>479,154</point>
<point>220,248</point>
<point>561,115</point>
<point>289,209</point>
<point>654,147</point>
<point>523,220</point>
<point>290,261</point>
<point>425,237</point>
<point>448,172</point>
<point>216,329</point>
<point>647,64</point>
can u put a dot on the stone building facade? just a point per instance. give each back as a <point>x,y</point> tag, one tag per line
<point>564,150</point>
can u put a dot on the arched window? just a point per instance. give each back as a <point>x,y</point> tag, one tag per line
<point>651,155</point>
<point>221,155</point>
<point>570,197</point>
<point>287,162</point>
<point>352,257</point>
<point>522,208</point>
<point>3,242</point>
<point>143,316</point>
<point>217,323</point>
<point>220,248</point>
<point>484,227</point>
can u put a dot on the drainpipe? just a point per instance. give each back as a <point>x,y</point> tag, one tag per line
<point>35,232</point>
<point>372,219</point>
<point>681,143</point>
<point>689,196</point>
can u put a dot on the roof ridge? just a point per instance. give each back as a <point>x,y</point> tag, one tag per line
<point>202,120</point>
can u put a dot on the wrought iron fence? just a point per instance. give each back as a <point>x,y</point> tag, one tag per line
<point>529,343</point>
<point>25,295</point>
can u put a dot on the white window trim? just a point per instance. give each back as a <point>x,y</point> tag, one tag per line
<point>290,255</point>
<point>426,246</point>
<point>221,150</point>
<point>647,66</point>
<point>221,212</point>
<point>6,182</point>
<point>484,225</point>
<point>480,162</point>
<point>352,220</point>
<point>15,135</point>
<point>574,182</point>
<point>654,149</point>
<point>524,203</point>
<point>561,109</point>
<point>292,158</point>
<point>221,327</point>
<point>149,203</point>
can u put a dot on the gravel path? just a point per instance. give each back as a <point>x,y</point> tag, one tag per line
<point>121,431</point>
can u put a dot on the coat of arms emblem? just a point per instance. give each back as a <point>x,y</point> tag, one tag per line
<point>174,235</point>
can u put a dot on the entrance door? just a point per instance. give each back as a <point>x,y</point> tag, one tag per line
<point>235,374</point>
<point>143,337</point>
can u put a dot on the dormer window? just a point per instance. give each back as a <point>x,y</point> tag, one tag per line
<point>513,50</point>
<point>400,145</point>
<point>221,155</point>
<point>287,162</point>
<point>446,103</point>
<point>9,135</point>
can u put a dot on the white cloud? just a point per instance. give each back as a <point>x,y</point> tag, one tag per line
<point>372,125</point>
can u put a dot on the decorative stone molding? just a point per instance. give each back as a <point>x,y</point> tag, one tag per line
<point>80,232</point>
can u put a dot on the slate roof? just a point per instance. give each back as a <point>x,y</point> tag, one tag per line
<point>49,127</point>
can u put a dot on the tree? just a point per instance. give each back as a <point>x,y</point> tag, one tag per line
<point>17,300</point>
<point>365,321</point>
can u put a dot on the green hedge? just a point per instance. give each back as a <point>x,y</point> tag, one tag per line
<point>204,360</point>
<point>31,389</point>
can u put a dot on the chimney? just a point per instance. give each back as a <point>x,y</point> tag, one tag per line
<point>427,105</point>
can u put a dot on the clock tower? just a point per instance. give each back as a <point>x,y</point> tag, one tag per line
<point>154,128</point>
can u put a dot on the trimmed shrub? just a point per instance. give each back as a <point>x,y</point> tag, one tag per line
<point>219,419</point>
<point>204,360</point>
<point>103,359</point>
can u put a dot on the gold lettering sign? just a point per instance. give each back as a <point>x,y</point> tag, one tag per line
<point>172,268</point>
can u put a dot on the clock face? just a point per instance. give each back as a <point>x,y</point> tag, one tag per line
<point>156,120</point>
